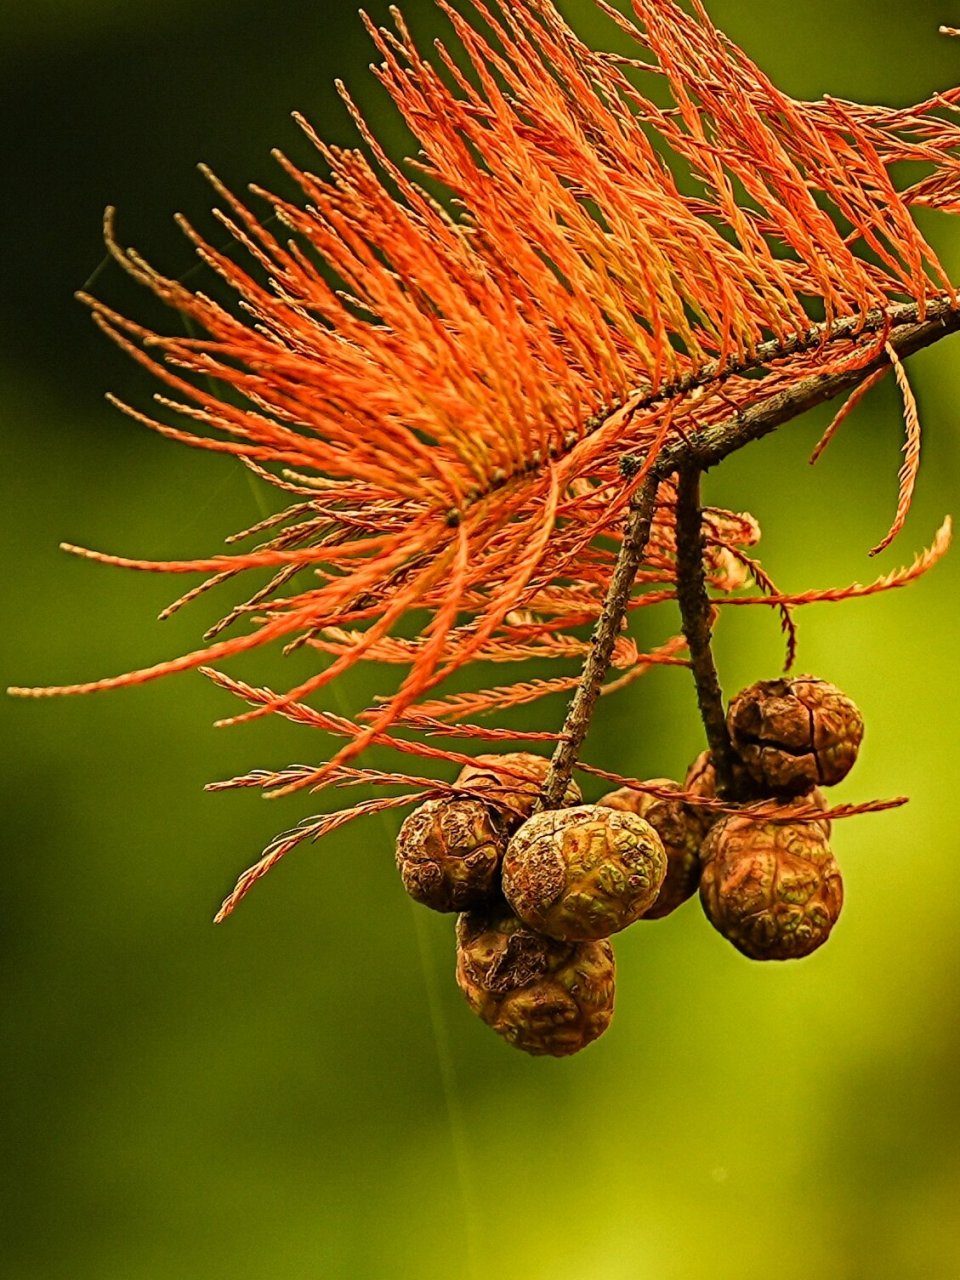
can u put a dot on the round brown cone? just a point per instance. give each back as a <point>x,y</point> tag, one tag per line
<point>773,889</point>
<point>793,735</point>
<point>542,995</point>
<point>585,872</point>
<point>680,835</point>
<point>513,780</point>
<point>449,852</point>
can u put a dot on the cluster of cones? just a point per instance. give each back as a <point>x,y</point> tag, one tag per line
<point>540,892</point>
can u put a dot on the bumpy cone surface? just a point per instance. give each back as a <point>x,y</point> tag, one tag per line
<point>701,780</point>
<point>514,780</point>
<point>541,995</point>
<point>681,842</point>
<point>773,889</point>
<point>795,734</point>
<point>584,872</point>
<point>449,852</point>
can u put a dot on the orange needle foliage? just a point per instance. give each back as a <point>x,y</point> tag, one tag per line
<point>445,390</point>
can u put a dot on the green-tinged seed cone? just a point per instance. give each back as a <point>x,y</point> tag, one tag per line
<point>449,852</point>
<point>680,836</point>
<point>773,889</point>
<point>543,996</point>
<point>585,872</point>
<point>795,734</point>
<point>514,780</point>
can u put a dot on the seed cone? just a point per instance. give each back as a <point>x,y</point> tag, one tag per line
<point>584,872</point>
<point>773,889</point>
<point>514,780</point>
<point>542,995</point>
<point>701,780</point>
<point>795,734</point>
<point>680,837</point>
<point>449,852</point>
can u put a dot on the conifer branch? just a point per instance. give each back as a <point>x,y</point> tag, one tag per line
<point>689,456</point>
<point>584,700</point>
<point>482,372</point>
<point>698,615</point>
<point>907,335</point>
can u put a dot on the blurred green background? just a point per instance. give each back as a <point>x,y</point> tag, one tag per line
<point>303,1093</point>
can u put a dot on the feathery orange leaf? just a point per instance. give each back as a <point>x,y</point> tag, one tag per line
<point>848,406</point>
<point>308,829</point>
<point>855,591</point>
<point>911,452</point>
